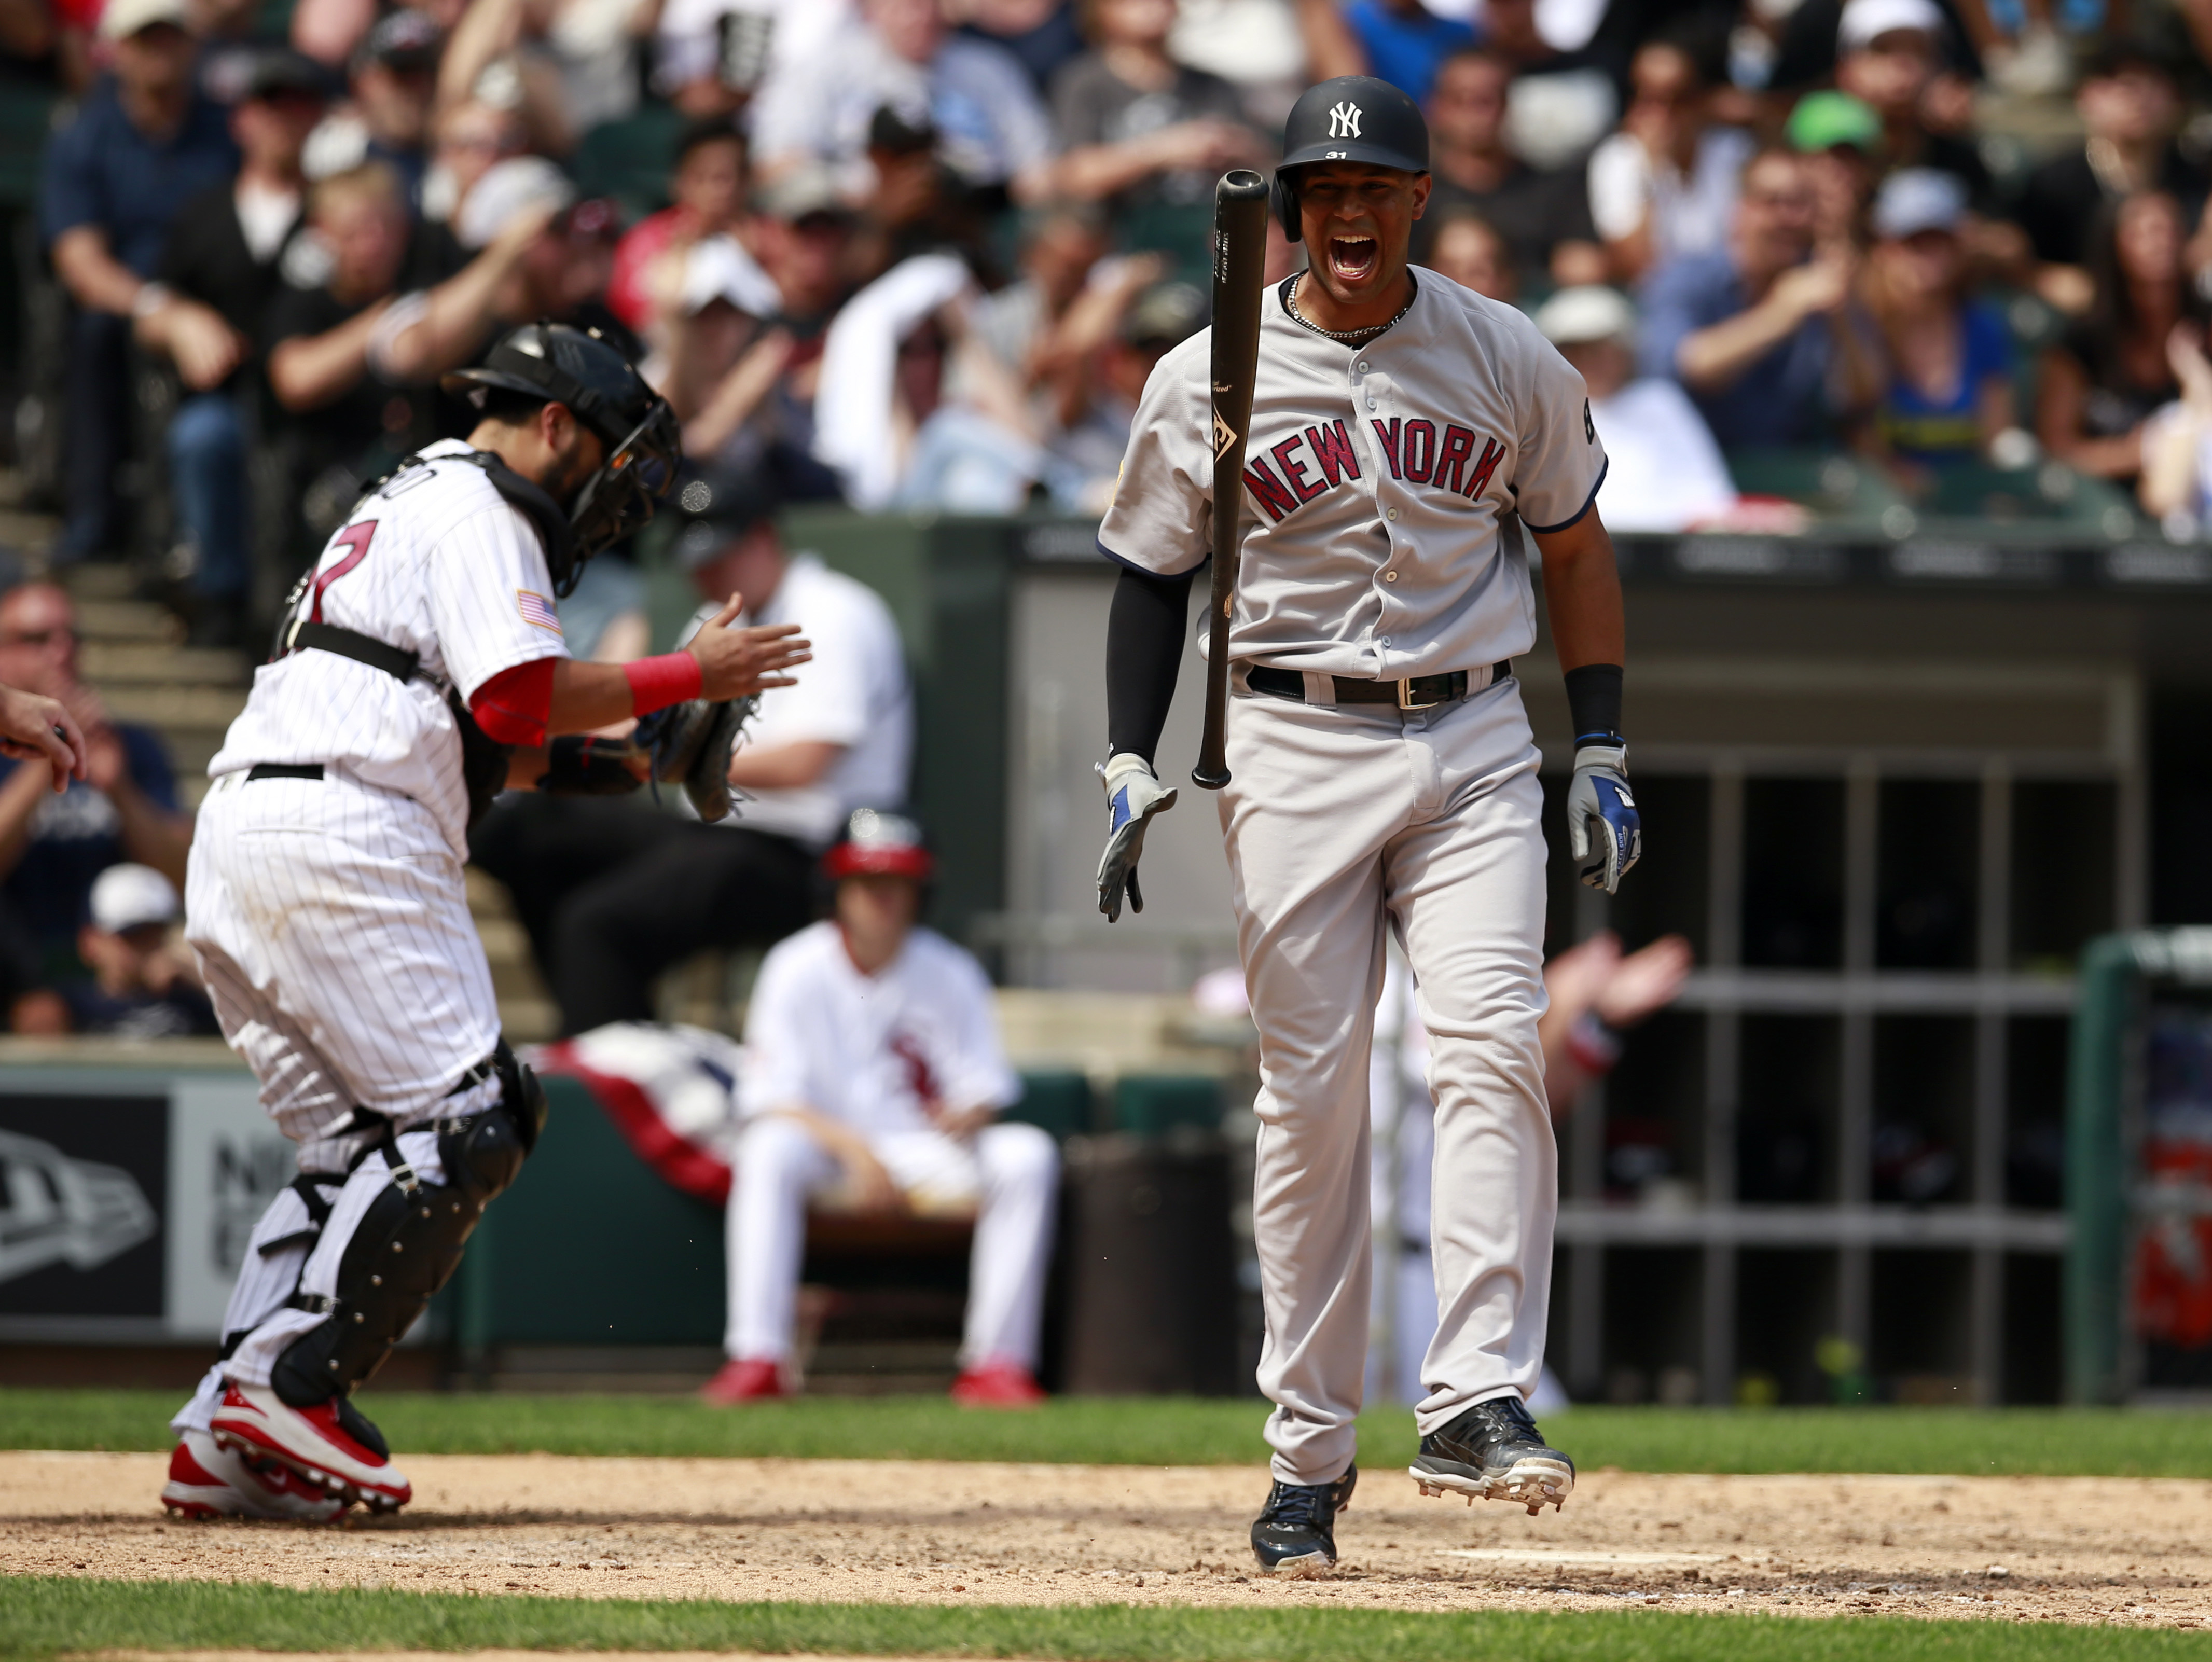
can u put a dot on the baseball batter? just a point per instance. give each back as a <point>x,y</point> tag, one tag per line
<point>1383,774</point>
<point>421,671</point>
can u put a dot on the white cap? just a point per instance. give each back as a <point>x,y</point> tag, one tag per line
<point>124,18</point>
<point>1916,199</point>
<point>1574,317</point>
<point>508,188</point>
<point>719,269</point>
<point>1864,21</point>
<point>127,896</point>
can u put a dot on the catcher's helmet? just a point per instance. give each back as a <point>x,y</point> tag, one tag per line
<point>1354,117</point>
<point>580,369</point>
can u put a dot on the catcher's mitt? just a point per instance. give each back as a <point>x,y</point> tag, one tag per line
<point>691,744</point>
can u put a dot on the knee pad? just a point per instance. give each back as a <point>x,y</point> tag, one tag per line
<point>409,1242</point>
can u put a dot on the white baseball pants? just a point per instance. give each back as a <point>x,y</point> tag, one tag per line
<point>332,926</point>
<point>331,922</point>
<point>1341,820</point>
<point>1009,1172</point>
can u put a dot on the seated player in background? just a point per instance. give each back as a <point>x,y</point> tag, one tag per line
<point>141,985</point>
<point>873,1068</point>
<point>611,897</point>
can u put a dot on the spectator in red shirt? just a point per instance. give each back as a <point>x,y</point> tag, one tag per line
<point>708,186</point>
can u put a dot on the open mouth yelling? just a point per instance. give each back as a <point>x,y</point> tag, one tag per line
<point>1353,259</point>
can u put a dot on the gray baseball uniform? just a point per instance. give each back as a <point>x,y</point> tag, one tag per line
<point>1378,482</point>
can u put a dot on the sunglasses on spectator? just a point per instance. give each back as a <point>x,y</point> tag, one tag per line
<point>67,636</point>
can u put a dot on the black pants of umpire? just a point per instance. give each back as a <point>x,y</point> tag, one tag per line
<point>612,895</point>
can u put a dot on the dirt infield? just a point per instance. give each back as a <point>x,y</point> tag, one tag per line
<point>2087,1549</point>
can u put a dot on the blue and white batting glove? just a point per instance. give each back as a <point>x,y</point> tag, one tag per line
<point>1133,795</point>
<point>1604,833</point>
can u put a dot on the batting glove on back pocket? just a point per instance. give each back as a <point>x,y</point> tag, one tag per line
<point>1133,795</point>
<point>1604,833</point>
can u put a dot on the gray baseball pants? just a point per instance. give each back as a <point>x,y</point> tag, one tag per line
<point>1341,819</point>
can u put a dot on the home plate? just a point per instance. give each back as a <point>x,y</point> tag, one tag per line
<point>1533,1556</point>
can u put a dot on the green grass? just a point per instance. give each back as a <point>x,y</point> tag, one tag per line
<point>41,1616</point>
<point>1182,1432</point>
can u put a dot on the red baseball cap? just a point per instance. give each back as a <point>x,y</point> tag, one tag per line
<point>876,843</point>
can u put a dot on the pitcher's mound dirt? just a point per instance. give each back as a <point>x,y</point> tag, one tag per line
<point>2075,1549</point>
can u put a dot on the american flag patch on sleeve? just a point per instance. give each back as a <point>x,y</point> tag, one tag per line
<point>536,609</point>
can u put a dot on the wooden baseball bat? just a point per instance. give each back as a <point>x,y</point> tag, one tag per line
<point>1240,246</point>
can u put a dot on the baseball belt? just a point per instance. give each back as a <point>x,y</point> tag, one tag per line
<point>1414,693</point>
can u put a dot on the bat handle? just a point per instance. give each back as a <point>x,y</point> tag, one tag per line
<point>1209,775</point>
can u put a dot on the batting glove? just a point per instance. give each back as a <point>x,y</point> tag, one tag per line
<point>1133,795</point>
<point>1604,833</point>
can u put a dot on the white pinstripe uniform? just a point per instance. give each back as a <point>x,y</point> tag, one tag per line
<point>330,915</point>
<point>1382,483</point>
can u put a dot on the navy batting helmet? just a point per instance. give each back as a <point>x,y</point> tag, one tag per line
<point>1354,117</point>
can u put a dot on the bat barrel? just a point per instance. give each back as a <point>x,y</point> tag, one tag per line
<point>1240,244</point>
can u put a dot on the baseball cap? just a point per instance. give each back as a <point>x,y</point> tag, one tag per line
<point>1591,311</point>
<point>127,896</point>
<point>1166,314</point>
<point>403,40</point>
<point>508,188</point>
<point>719,269</point>
<point>879,844</point>
<point>802,193</point>
<point>281,71</point>
<point>720,507</point>
<point>1864,21</point>
<point>124,18</point>
<point>1916,199</point>
<point>1823,120</point>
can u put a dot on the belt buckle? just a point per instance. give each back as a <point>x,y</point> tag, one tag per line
<point>1405,696</point>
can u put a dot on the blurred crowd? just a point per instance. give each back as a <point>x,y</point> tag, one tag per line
<point>923,253</point>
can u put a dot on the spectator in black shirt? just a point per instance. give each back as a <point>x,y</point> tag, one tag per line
<point>347,420</point>
<point>2112,371</point>
<point>112,181</point>
<point>1133,126</point>
<point>218,275</point>
<point>394,82</point>
<point>1543,219</point>
<point>1889,55</point>
<point>2130,109</point>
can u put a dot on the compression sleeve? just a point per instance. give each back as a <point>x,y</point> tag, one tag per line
<point>1144,647</point>
<point>1593,703</point>
<point>513,706</point>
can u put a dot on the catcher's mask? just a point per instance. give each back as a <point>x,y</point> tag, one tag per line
<point>583,370</point>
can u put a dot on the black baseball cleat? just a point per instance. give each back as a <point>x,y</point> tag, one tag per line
<point>1295,1535</point>
<point>1494,1452</point>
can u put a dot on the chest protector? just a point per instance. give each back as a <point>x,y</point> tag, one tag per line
<point>483,758</point>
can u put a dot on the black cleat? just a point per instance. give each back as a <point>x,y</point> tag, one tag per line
<point>1295,1535</point>
<point>1494,1452</point>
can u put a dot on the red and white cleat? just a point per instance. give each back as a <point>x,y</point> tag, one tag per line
<point>997,1385</point>
<point>206,1481</point>
<point>757,1381</point>
<point>332,1445</point>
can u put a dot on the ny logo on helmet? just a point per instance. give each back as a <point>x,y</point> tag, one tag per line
<point>1344,121</point>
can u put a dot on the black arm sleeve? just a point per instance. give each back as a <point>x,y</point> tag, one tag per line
<point>1594,701</point>
<point>1144,647</point>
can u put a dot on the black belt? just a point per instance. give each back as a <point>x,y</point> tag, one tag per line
<point>268,770</point>
<point>1415,693</point>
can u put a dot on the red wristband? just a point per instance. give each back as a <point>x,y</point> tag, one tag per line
<point>657,682</point>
